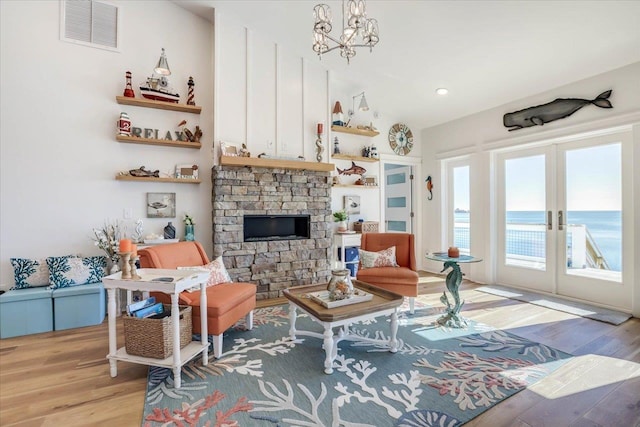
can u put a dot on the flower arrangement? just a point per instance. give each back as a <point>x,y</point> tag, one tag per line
<point>107,238</point>
<point>340,215</point>
<point>188,220</point>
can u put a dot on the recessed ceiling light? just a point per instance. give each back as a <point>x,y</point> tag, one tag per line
<point>442,91</point>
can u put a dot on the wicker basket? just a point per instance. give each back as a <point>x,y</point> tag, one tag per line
<point>366,227</point>
<point>154,337</point>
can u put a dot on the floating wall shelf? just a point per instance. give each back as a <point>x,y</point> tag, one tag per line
<point>353,158</point>
<point>354,186</point>
<point>355,131</point>
<point>153,141</point>
<point>160,105</point>
<point>153,179</point>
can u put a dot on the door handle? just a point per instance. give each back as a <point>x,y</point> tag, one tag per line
<point>560,220</point>
<point>549,220</point>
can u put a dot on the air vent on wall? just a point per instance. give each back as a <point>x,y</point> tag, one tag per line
<point>89,22</point>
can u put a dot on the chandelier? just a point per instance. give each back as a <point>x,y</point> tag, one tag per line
<point>357,29</point>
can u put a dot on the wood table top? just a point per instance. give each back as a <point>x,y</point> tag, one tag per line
<point>382,300</point>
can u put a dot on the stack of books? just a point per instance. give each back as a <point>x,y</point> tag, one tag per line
<point>147,308</point>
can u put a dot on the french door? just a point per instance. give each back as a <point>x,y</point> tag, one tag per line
<point>561,219</point>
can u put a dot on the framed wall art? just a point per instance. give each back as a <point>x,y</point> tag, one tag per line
<point>187,171</point>
<point>352,204</point>
<point>161,205</point>
<point>227,149</point>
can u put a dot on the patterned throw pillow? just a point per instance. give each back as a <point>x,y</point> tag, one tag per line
<point>65,272</point>
<point>383,258</point>
<point>30,273</point>
<point>218,273</point>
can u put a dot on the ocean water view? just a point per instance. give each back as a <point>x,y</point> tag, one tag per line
<point>605,227</point>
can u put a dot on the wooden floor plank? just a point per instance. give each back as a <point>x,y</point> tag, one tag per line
<point>62,378</point>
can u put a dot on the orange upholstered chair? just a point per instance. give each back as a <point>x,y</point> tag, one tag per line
<point>226,303</point>
<point>402,280</point>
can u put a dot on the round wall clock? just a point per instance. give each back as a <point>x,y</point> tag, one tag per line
<point>400,139</point>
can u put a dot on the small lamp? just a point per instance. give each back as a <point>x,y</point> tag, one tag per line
<point>163,66</point>
<point>363,106</point>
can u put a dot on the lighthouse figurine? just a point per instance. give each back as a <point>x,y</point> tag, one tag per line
<point>191,84</point>
<point>128,90</point>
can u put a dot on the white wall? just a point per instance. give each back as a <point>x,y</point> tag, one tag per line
<point>475,135</point>
<point>271,100</point>
<point>59,155</point>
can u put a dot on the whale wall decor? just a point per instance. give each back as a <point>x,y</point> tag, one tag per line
<point>554,110</point>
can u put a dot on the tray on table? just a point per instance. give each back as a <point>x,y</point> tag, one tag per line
<point>322,298</point>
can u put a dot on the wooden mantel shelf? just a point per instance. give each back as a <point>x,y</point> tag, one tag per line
<point>276,163</point>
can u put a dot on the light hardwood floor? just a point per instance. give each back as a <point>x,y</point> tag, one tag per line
<point>62,378</point>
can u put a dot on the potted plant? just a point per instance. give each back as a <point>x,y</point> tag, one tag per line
<point>341,218</point>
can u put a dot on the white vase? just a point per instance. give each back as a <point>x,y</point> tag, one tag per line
<point>342,225</point>
<point>113,265</point>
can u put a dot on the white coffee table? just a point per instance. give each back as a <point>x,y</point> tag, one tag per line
<point>383,303</point>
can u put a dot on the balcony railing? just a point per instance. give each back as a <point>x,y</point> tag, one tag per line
<point>526,245</point>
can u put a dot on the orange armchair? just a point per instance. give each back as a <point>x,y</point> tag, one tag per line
<point>402,280</point>
<point>226,303</point>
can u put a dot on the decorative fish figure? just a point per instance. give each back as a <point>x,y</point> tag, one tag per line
<point>554,110</point>
<point>429,187</point>
<point>144,173</point>
<point>353,170</point>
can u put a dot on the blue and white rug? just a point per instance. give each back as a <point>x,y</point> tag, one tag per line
<point>438,377</point>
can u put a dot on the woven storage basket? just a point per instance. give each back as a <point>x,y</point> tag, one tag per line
<point>366,227</point>
<point>154,337</point>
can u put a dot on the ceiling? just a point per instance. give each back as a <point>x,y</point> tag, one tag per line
<point>487,53</point>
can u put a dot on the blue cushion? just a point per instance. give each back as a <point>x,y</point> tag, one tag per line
<point>25,294</point>
<point>65,272</point>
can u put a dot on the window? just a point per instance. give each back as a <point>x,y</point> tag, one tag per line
<point>457,206</point>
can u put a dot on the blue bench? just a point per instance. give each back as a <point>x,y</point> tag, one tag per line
<point>36,310</point>
<point>79,306</point>
<point>26,311</point>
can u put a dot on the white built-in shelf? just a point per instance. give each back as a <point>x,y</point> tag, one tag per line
<point>160,105</point>
<point>355,131</point>
<point>354,158</point>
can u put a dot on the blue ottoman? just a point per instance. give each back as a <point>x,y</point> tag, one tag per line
<point>25,311</point>
<point>78,306</point>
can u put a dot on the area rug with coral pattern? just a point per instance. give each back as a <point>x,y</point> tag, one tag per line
<point>438,377</point>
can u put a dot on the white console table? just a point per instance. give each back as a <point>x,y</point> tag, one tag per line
<point>182,279</point>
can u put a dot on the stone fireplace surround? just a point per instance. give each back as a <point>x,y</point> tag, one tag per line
<point>272,265</point>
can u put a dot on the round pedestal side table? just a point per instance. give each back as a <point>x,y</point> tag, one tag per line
<point>452,317</point>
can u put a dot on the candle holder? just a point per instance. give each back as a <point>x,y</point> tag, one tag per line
<point>126,267</point>
<point>132,264</point>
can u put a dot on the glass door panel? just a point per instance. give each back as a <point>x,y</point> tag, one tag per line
<point>526,245</point>
<point>591,200</point>
<point>525,206</point>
